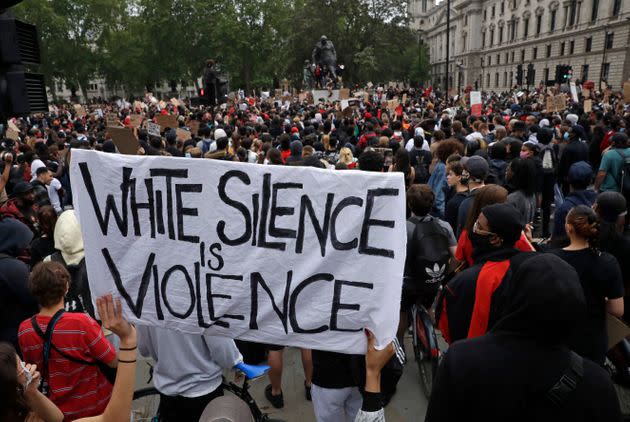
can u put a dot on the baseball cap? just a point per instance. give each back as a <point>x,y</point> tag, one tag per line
<point>22,187</point>
<point>580,172</point>
<point>477,167</point>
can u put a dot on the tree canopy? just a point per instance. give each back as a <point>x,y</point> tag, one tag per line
<point>134,44</point>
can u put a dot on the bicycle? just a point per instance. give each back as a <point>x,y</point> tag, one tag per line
<point>425,344</point>
<point>146,401</point>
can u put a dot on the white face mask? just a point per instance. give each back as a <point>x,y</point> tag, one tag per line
<point>265,161</point>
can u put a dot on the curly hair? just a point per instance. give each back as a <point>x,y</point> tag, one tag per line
<point>447,148</point>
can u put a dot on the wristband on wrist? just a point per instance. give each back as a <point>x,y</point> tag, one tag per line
<point>127,349</point>
<point>126,361</point>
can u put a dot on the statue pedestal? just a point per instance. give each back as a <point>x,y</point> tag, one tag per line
<point>326,95</point>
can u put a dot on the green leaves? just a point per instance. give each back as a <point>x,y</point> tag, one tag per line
<point>132,43</point>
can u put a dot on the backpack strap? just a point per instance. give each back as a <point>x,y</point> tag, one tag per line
<point>48,345</point>
<point>559,393</point>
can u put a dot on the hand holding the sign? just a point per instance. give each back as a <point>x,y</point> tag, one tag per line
<point>375,360</point>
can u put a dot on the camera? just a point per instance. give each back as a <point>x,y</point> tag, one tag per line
<point>4,154</point>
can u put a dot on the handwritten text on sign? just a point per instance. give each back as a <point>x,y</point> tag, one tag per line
<point>296,256</point>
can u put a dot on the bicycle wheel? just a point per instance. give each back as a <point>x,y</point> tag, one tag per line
<point>145,405</point>
<point>427,352</point>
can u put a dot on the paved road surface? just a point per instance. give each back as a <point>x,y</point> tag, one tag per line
<point>409,404</point>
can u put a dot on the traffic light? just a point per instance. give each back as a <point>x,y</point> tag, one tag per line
<point>530,74</point>
<point>567,73</point>
<point>558,77</point>
<point>519,74</point>
<point>21,92</point>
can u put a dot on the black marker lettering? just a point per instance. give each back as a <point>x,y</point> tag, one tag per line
<point>346,202</point>
<point>364,248</point>
<point>337,305</point>
<point>181,211</point>
<point>294,298</point>
<point>243,177</point>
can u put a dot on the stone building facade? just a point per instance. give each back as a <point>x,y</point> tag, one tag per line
<point>490,38</point>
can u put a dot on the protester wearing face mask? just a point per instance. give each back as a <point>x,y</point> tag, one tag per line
<point>487,195</point>
<point>467,306</point>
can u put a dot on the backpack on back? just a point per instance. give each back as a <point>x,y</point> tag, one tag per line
<point>79,298</point>
<point>421,169</point>
<point>428,255</point>
<point>624,179</point>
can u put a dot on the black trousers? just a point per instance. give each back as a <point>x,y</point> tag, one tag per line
<point>184,409</point>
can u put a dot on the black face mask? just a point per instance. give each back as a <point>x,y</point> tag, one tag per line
<point>480,243</point>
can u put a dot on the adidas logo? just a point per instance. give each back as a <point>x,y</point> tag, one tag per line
<point>436,273</point>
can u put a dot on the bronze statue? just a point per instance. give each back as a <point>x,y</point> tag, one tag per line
<point>325,56</point>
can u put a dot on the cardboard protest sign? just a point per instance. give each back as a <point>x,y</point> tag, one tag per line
<point>13,126</point>
<point>183,134</point>
<point>249,252</point>
<point>194,127</point>
<point>626,92</point>
<point>588,106</point>
<point>137,105</point>
<point>475,103</point>
<point>550,105</point>
<point>586,93</point>
<point>326,95</point>
<point>344,93</point>
<point>13,134</point>
<point>175,102</point>
<point>404,99</point>
<point>166,120</point>
<point>111,120</point>
<point>124,140</point>
<point>135,120</point>
<point>617,330</point>
<point>392,104</point>
<point>79,110</point>
<point>560,102</point>
<point>153,129</point>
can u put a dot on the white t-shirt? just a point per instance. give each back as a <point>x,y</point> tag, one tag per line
<point>35,165</point>
<point>410,145</point>
<point>53,194</point>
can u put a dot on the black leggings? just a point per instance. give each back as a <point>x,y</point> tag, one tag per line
<point>178,408</point>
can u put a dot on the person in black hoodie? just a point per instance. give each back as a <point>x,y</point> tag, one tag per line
<point>16,302</point>
<point>509,373</point>
<point>468,307</point>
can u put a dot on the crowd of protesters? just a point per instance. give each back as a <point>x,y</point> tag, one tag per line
<point>528,204</point>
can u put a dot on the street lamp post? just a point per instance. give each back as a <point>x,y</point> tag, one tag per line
<point>448,41</point>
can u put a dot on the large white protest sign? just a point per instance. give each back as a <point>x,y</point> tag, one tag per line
<point>283,255</point>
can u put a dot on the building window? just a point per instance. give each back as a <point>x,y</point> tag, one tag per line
<point>522,56</point>
<point>512,57</point>
<point>609,39</point>
<point>525,28</point>
<point>465,20</point>
<point>498,59</point>
<point>513,31</point>
<point>616,7</point>
<point>506,58</point>
<point>605,71</point>
<point>500,35</point>
<point>562,49</point>
<point>584,72</point>
<point>548,52</point>
<point>485,14</point>
<point>552,21</point>
<point>538,24</point>
<point>502,7</point>
<point>424,5</point>
<point>589,44</point>
<point>572,12</point>
<point>535,53</point>
<point>491,37</point>
<point>489,60</point>
<point>488,80</point>
<point>505,79</point>
<point>511,78</point>
<point>546,75</point>
<point>594,10</point>
<point>493,10</point>
<point>571,47</point>
<point>483,40</point>
<point>496,79</point>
